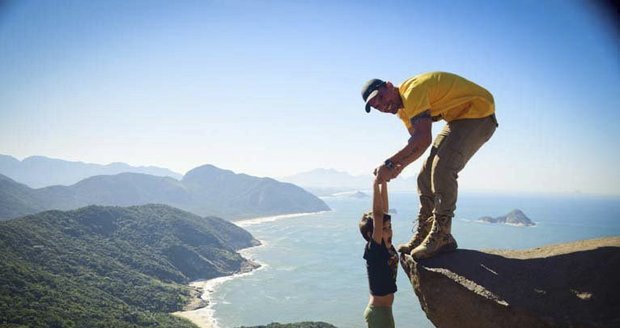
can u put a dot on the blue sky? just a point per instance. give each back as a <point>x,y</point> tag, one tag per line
<point>271,88</point>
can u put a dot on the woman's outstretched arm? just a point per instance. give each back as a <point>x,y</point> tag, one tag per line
<point>379,208</point>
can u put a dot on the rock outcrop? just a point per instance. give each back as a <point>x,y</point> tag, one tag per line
<point>565,285</point>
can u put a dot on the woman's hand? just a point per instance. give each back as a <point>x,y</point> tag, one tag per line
<point>382,174</point>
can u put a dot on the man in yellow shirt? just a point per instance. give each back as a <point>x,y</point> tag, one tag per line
<point>469,111</point>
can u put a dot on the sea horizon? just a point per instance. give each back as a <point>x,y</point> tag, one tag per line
<point>285,261</point>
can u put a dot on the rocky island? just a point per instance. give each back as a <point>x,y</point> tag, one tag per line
<point>515,217</point>
<point>351,194</point>
<point>359,194</point>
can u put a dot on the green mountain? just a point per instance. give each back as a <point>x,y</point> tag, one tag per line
<point>17,199</point>
<point>224,193</point>
<point>206,190</point>
<point>111,266</point>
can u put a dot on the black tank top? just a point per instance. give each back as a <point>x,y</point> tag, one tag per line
<point>381,265</point>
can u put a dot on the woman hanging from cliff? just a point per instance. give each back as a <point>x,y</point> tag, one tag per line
<point>381,259</point>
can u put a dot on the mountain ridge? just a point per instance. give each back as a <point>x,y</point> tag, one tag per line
<point>40,171</point>
<point>205,190</point>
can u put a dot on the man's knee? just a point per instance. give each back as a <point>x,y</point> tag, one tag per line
<point>447,165</point>
<point>445,186</point>
<point>424,184</point>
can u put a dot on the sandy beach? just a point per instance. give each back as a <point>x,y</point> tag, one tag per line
<point>197,310</point>
<point>200,319</point>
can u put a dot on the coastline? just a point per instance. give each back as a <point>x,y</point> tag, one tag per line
<point>258,220</point>
<point>200,308</point>
<point>190,310</point>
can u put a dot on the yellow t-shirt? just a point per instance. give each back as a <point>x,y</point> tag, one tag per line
<point>447,95</point>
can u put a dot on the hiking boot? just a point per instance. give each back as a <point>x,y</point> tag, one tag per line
<point>438,240</point>
<point>423,227</point>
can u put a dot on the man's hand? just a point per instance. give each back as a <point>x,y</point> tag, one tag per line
<point>396,171</point>
<point>385,174</point>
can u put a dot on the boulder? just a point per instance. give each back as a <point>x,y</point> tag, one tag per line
<point>565,285</point>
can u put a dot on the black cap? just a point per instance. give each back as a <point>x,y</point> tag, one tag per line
<point>370,90</point>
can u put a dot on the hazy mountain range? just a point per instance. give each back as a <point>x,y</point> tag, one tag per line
<point>40,171</point>
<point>206,190</point>
<point>322,182</point>
<point>110,266</point>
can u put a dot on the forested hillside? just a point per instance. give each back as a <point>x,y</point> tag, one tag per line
<point>111,266</point>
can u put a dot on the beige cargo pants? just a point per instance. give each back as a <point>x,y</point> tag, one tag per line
<point>453,147</point>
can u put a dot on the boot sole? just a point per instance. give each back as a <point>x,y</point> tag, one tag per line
<point>407,249</point>
<point>448,248</point>
<point>444,249</point>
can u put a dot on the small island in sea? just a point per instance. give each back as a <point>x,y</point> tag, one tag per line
<point>351,194</point>
<point>515,217</point>
<point>359,194</point>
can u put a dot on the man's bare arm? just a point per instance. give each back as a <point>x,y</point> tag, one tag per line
<point>421,138</point>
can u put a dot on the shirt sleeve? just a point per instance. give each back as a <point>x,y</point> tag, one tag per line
<point>414,94</point>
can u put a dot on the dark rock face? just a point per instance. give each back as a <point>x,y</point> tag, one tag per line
<point>515,217</point>
<point>564,285</point>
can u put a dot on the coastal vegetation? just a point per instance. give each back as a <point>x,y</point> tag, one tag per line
<point>111,266</point>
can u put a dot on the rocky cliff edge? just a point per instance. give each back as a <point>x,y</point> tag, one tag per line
<point>565,285</point>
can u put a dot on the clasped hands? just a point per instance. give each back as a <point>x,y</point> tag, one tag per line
<point>385,174</point>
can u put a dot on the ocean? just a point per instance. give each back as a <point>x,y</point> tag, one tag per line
<point>312,266</point>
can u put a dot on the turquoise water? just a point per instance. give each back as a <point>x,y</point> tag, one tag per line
<point>313,267</point>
